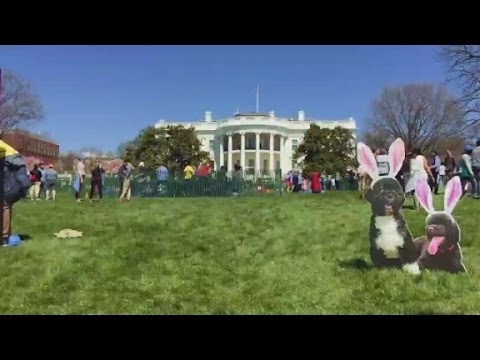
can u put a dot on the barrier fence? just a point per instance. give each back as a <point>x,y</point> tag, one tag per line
<point>216,185</point>
<point>219,185</point>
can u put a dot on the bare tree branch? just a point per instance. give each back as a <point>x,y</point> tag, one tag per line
<point>421,114</point>
<point>464,70</point>
<point>18,105</point>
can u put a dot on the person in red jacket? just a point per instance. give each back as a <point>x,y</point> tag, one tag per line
<point>316,187</point>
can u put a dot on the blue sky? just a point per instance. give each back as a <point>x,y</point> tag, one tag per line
<point>101,96</point>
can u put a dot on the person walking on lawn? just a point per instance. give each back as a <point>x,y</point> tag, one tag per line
<point>450,166</point>
<point>97,180</point>
<point>50,182</point>
<point>476,168</point>
<point>80,179</point>
<point>35,178</point>
<point>127,174</point>
<point>43,188</point>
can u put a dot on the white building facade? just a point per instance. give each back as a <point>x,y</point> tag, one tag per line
<point>259,143</point>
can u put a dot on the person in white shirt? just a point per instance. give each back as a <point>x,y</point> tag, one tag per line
<point>382,163</point>
<point>419,169</point>
<point>80,172</point>
<point>441,174</point>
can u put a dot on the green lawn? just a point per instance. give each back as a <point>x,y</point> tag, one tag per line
<point>296,254</point>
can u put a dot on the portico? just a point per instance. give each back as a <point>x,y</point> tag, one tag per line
<point>255,151</point>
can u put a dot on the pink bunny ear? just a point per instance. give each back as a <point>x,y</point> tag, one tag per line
<point>366,158</point>
<point>424,195</point>
<point>396,153</point>
<point>453,193</point>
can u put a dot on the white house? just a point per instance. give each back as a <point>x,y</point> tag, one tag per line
<point>257,142</point>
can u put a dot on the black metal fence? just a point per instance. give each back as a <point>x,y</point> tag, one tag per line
<point>220,185</point>
<point>217,184</point>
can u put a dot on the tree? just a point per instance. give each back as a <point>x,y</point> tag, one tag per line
<point>122,149</point>
<point>420,114</point>
<point>18,103</point>
<point>454,144</point>
<point>66,162</point>
<point>376,139</point>
<point>172,146</point>
<point>464,70</point>
<point>327,150</point>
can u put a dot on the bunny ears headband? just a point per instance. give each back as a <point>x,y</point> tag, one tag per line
<point>453,193</point>
<point>396,156</point>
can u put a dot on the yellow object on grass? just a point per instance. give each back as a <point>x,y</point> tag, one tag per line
<point>68,233</point>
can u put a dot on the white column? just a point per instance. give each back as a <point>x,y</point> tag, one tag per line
<point>257,153</point>
<point>242,150</point>
<point>230,153</point>
<point>282,155</point>
<point>271,163</point>
<point>221,160</point>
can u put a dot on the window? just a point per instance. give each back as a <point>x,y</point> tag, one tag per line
<point>265,164</point>
<point>211,145</point>
<point>251,163</point>
<point>263,146</point>
<point>294,144</point>
<point>250,143</point>
<point>278,165</point>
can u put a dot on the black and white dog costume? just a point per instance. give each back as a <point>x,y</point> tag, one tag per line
<point>391,242</point>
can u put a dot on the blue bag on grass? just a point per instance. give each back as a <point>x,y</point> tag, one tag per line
<point>14,240</point>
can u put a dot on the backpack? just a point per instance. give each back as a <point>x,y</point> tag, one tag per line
<point>16,180</point>
<point>463,170</point>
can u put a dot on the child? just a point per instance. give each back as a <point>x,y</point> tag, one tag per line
<point>441,174</point>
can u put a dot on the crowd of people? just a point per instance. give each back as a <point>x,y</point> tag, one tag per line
<point>316,183</point>
<point>417,166</point>
<point>97,177</point>
<point>432,169</point>
<point>43,182</point>
<point>44,178</point>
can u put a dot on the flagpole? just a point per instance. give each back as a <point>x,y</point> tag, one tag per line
<point>257,97</point>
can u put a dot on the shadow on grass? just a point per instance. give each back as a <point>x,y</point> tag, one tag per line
<point>357,264</point>
<point>24,237</point>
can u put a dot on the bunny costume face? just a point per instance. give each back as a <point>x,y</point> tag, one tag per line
<point>441,246</point>
<point>385,195</point>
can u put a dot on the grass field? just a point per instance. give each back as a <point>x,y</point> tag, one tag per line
<point>304,254</point>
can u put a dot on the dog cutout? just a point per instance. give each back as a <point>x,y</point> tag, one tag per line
<point>440,248</point>
<point>391,242</point>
